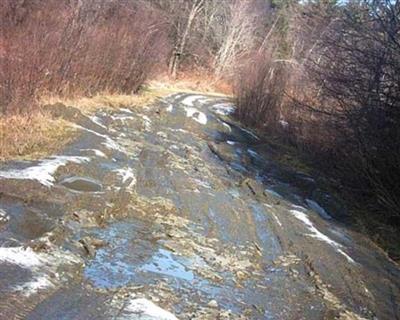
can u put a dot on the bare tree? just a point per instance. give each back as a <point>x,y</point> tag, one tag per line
<point>239,37</point>
<point>180,46</point>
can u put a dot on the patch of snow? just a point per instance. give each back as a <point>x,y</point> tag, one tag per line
<point>232,143</point>
<point>234,193</point>
<point>43,172</point>
<point>189,101</point>
<point>175,95</point>
<point>273,214</point>
<point>37,283</point>
<point>283,123</point>
<point>318,209</point>
<point>162,134</point>
<point>121,117</point>
<point>306,178</point>
<point>196,115</point>
<point>23,257</point>
<point>170,108</point>
<point>97,152</point>
<point>274,193</point>
<point>180,130</point>
<point>147,123</point>
<point>109,143</point>
<point>145,309</point>
<point>126,110</point>
<point>250,133</point>
<point>276,219</point>
<point>227,126</point>
<point>4,217</point>
<point>298,207</point>
<point>223,108</point>
<point>253,153</point>
<point>239,167</point>
<point>127,174</point>
<point>203,184</point>
<point>315,233</point>
<point>43,266</point>
<point>204,100</point>
<point>97,120</point>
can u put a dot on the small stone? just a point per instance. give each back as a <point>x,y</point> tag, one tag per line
<point>212,304</point>
<point>4,216</point>
<point>87,246</point>
<point>98,243</point>
<point>162,134</point>
<point>294,272</point>
<point>240,275</point>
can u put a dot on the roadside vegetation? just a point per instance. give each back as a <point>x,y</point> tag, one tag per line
<point>97,54</point>
<point>321,77</point>
<point>33,136</point>
<point>83,48</point>
<point>327,83</point>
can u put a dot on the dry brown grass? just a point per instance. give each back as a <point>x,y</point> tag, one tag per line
<point>192,83</point>
<point>27,137</point>
<point>77,47</point>
<point>105,100</point>
<point>32,137</point>
<point>148,94</point>
<point>37,135</point>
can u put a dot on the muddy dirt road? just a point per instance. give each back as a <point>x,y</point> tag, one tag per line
<point>174,211</point>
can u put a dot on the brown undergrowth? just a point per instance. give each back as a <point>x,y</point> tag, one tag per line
<point>34,135</point>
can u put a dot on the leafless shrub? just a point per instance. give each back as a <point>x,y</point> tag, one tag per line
<point>67,47</point>
<point>358,67</point>
<point>340,94</point>
<point>260,91</point>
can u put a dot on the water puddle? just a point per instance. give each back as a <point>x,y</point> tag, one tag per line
<point>164,262</point>
<point>131,256</point>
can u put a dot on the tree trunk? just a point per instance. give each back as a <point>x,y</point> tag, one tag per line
<point>178,52</point>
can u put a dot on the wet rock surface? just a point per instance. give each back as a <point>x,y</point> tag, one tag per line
<point>175,211</point>
<point>83,184</point>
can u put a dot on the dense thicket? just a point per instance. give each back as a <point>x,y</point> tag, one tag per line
<point>66,47</point>
<point>329,83</point>
<point>69,47</point>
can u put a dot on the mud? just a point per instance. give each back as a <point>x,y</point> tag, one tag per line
<point>176,211</point>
